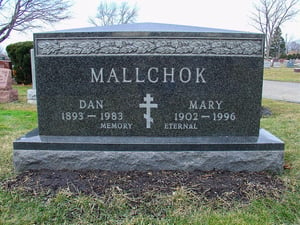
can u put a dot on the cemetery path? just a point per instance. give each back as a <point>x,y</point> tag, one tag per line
<point>283,91</point>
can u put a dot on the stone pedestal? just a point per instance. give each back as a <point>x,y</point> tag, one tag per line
<point>149,153</point>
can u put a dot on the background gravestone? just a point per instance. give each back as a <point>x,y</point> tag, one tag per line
<point>31,93</point>
<point>7,94</point>
<point>267,64</point>
<point>149,96</point>
<point>290,63</point>
<point>276,64</point>
<point>5,64</point>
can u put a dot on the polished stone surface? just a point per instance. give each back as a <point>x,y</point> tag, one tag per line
<point>149,97</point>
<point>34,141</point>
<point>150,27</point>
<point>186,81</point>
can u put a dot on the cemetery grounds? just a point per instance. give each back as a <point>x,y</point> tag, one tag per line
<point>282,74</point>
<point>163,197</point>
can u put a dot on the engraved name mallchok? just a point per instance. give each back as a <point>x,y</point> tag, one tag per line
<point>150,74</point>
<point>140,46</point>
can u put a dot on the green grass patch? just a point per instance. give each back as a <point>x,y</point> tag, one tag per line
<point>180,207</point>
<point>285,124</point>
<point>16,119</point>
<point>21,103</point>
<point>281,74</point>
<point>11,120</point>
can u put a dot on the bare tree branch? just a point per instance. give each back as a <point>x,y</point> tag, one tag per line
<point>269,15</point>
<point>113,13</point>
<point>21,15</point>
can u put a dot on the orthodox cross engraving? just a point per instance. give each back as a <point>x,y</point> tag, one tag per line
<point>148,105</point>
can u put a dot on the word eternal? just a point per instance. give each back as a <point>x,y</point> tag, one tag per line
<point>152,75</point>
<point>181,126</point>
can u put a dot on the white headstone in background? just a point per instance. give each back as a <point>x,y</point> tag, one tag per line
<point>267,64</point>
<point>31,93</point>
<point>290,63</point>
<point>297,63</point>
<point>276,64</point>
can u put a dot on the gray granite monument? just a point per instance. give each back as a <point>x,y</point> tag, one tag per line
<point>149,97</point>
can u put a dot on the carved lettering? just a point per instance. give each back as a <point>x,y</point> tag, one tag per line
<point>153,75</point>
<point>200,75</point>
<point>168,74</point>
<point>118,126</point>
<point>97,77</point>
<point>137,76</point>
<point>203,105</point>
<point>180,126</point>
<point>188,75</point>
<point>124,76</point>
<point>113,75</point>
<point>150,77</point>
<point>90,104</point>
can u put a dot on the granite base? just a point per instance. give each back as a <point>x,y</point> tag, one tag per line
<point>34,152</point>
<point>8,95</point>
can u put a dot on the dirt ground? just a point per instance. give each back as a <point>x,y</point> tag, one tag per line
<point>210,185</point>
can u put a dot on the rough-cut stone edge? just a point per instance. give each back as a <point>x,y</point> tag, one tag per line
<point>125,154</point>
<point>143,161</point>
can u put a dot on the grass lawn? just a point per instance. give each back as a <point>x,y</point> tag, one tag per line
<point>181,207</point>
<point>281,74</point>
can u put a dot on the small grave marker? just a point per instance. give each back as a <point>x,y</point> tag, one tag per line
<point>276,64</point>
<point>267,64</point>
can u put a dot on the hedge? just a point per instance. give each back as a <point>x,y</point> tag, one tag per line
<point>19,54</point>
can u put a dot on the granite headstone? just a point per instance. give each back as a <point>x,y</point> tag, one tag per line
<point>149,96</point>
<point>7,93</point>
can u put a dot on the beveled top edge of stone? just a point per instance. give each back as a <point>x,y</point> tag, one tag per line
<point>148,29</point>
<point>264,137</point>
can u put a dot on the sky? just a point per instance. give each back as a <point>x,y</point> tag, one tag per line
<point>224,14</point>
